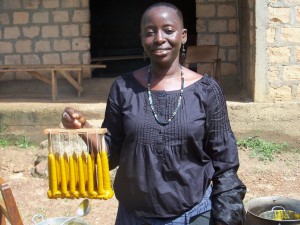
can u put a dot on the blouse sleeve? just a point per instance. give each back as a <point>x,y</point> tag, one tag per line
<point>113,121</point>
<point>228,190</point>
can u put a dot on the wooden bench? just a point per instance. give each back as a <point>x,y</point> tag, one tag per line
<point>64,70</point>
<point>204,54</point>
<point>116,57</point>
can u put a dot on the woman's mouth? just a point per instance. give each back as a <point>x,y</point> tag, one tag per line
<point>161,52</point>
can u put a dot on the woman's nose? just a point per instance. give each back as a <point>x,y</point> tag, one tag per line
<point>159,37</point>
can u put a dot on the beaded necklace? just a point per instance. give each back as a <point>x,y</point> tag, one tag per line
<point>151,100</point>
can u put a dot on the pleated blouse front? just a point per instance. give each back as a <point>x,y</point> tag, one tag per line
<point>164,170</point>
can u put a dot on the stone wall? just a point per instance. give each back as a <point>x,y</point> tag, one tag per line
<point>44,32</point>
<point>283,50</point>
<point>217,24</point>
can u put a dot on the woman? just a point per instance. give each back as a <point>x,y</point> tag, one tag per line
<point>169,135</point>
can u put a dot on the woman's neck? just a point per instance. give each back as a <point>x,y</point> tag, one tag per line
<point>159,72</point>
<point>165,78</point>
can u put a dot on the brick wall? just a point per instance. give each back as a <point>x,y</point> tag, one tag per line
<point>283,50</point>
<point>217,24</point>
<point>44,32</point>
<point>57,32</point>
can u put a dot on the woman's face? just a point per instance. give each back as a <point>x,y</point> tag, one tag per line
<point>162,34</point>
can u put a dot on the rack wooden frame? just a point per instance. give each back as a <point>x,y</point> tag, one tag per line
<point>75,131</point>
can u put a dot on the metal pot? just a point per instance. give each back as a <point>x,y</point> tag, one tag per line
<point>280,213</point>
<point>259,211</point>
<point>56,221</point>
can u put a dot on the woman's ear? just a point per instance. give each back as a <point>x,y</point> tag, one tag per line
<point>184,35</point>
<point>141,40</point>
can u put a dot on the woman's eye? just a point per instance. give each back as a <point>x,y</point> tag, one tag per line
<point>169,31</point>
<point>149,32</point>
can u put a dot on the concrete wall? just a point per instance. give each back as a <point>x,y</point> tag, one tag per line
<point>280,51</point>
<point>43,32</point>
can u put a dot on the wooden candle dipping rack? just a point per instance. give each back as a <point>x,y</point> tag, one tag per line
<point>75,170</point>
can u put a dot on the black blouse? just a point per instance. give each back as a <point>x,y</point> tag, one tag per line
<point>165,170</point>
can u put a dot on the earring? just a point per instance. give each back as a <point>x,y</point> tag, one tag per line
<point>145,56</point>
<point>183,51</point>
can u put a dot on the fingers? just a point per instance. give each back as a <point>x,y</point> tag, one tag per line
<point>65,115</point>
<point>70,112</point>
<point>72,118</point>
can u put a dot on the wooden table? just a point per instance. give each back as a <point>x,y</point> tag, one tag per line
<point>63,69</point>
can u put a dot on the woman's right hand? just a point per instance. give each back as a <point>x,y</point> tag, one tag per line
<point>73,119</point>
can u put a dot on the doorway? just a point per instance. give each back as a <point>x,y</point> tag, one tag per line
<point>115,31</point>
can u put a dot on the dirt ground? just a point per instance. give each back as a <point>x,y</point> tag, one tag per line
<point>280,177</point>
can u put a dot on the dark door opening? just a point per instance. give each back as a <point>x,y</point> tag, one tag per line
<point>115,31</point>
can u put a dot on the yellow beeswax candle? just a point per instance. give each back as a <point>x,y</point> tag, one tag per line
<point>72,186</point>
<point>90,165</point>
<point>100,188</point>
<point>52,176</point>
<point>67,169</point>
<point>85,168</point>
<point>64,188</point>
<point>57,166</point>
<point>81,181</point>
<point>106,175</point>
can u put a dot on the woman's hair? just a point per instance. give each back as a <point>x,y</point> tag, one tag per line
<point>167,5</point>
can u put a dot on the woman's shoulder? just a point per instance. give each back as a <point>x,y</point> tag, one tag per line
<point>204,85</point>
<point>122,79</point>
<point>209,82</point>
<point>126,82</point>
<point>204,80</point>
<point>120,85</point>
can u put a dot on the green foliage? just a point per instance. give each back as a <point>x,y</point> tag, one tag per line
<point>260,148</point>
<point>3,142</point>
<point>24,142</point>
<point>2,127</point>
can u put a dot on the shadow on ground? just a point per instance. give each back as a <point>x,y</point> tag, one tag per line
<point>95,91</point>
